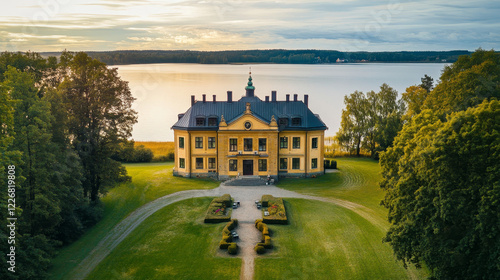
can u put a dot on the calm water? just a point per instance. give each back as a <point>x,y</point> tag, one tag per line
<point>164,90</point>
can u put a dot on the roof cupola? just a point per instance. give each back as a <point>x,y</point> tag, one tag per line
<point>250,88</point>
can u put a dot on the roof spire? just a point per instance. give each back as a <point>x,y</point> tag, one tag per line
<point>250,88</point>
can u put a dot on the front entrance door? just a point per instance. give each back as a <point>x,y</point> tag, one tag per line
<point>248,167</point>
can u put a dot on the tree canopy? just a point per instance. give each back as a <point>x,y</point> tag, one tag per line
<point>100,117</point>
<point>442,175</point>
<point>443,193</point>
<point>467,82</point>
<point>55,118</point>
<point>370,121</point>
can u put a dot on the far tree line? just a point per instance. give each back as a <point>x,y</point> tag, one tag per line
<point>278,56</point>
<point>439,152</point>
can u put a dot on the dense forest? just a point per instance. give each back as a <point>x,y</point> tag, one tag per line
<point>439,150</point>
<point>269,56</point>
<point>62,123</point>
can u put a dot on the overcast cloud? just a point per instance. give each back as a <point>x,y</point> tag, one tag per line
<point>349,25</point>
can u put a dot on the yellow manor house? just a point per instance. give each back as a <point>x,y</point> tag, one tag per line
<point>225,139</point>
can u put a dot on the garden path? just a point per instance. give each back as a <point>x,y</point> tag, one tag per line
<point>247,213</point>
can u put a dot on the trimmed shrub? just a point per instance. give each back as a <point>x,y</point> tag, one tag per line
<point>227,238</point>
<point>262,227</point>
<point>225,199</point>
<point>330,164</point>
<point>266,199</point>
<point>223,245</point>
<point>232,224</point>
<point>265,230</point>
<point>232,249</point>
<point>267,242</point>
<point>260,249</point>
<point>257,222</point>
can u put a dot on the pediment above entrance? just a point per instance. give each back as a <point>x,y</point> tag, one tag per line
<point>249,122</point>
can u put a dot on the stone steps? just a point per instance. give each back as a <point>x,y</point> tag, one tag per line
<point>246,181</point>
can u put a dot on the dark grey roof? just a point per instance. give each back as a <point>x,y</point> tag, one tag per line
<point>260,109</point>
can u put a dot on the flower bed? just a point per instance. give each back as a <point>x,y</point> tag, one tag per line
<point>276,209</point>
<point>219,210</point>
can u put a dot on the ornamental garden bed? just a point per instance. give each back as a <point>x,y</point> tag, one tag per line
<point>273,210</point>
<point>220,210</point>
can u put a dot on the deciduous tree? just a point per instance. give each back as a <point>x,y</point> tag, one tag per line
<point>442,182</point>
<point>99,104</point>
<point>354,121</point>
<point>467,82</point>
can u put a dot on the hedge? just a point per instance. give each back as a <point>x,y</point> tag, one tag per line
<point>260,249</point>
<point>225,199</point>
<point>265,200</point>
<point>267,242</point>
<point>232,249</point>
<point>227,238</point>
<point>330,164</point>
<point>266,239</point>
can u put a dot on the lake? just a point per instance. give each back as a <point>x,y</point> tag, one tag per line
<point>164,90</point>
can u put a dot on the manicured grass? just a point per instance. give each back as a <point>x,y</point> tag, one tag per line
<point>159,149</point>
<point>325,241</point>
<point>356,181</point>
<point>149,181</point>
<point>173,243</point>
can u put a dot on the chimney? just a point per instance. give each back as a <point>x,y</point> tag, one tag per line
<point>306,100</point>
<point>273,96</point>
<point>295,96</point>
<point>204,98</point>
<point>229,96</point>
<point>267,99</point>
<point>215,98</point>
<point>192,100</point>
<point>288,98</point>
<point>179,116</point>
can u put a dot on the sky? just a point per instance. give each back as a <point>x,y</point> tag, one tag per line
<point>344,25</point>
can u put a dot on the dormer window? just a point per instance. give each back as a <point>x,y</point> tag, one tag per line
<point>283,121</point>
<point>212,121</point>
<point>296,121</point>
<point>200,121</point>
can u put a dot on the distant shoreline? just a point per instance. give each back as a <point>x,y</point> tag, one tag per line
<point>245,57</point>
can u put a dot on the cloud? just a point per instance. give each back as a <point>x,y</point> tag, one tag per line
<point>236,24</point>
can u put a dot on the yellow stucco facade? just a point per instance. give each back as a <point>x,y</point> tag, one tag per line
<point>248,145</point>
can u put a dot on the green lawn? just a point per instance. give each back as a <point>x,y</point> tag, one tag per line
<point>356,181</point>
<point>325,241</point>
<point>322,241</point>
<point>173,243</point>
<point>149,181</point>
